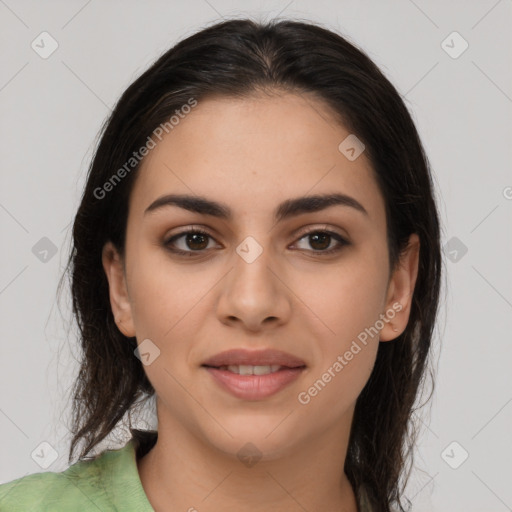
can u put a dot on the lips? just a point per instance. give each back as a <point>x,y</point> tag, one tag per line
<point>254,374</point>
<point>254,387</point>
<point>267,357</point>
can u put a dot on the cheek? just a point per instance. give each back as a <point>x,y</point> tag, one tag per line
<point>333,391</point>
<point>166,305</point>
<point>344,305</point>
<point>345,344</point>
<point>162,295</point>
<point>342,300</point>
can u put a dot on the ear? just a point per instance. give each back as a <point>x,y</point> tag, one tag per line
<point>400,291</point>
<point>118,291</point>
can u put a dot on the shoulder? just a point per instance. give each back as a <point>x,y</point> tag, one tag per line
<point>81,486</point>
<point>37,492</point>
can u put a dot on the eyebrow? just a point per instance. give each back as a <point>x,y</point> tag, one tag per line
<point>285,210</point>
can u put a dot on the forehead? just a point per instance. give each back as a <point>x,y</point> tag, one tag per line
<point>253,153</point>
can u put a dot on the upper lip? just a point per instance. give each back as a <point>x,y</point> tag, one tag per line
<point>264,357</point>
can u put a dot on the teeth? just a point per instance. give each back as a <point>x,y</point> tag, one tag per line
<point>244,369</point>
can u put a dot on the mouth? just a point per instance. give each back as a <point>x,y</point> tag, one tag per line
<point>254,375</point>
<point>243,360</point>
<point>246,369</point>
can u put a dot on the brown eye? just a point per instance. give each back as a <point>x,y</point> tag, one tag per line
<point>194,240</point>
<point>321,240</point>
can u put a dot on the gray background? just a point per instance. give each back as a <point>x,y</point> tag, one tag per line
<point>52,109</point>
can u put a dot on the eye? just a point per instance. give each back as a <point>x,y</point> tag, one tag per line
<point>197,240</point>
<point>321,240</point>
<point>194,238</point>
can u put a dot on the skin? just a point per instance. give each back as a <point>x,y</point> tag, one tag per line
<point>252,154</point>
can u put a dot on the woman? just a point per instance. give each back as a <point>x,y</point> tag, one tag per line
<point>257,247</point>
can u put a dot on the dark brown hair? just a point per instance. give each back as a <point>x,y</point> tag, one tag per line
<point>236,58</point>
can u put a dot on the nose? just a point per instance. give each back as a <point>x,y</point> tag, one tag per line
<point>254,293</point>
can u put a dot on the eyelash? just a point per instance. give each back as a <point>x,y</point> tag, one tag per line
<point>180,252</point>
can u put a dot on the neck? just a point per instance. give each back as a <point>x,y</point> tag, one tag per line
<point>184,472</point>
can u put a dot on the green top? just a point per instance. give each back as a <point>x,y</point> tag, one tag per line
<point>109,482</point>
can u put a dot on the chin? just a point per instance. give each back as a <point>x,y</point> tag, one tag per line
<point>255,437</point>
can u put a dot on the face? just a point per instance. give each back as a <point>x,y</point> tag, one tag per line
<point>255,280</point>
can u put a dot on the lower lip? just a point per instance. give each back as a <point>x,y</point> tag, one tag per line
<point>254,387</point>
